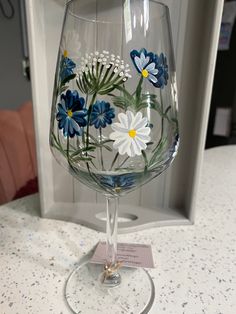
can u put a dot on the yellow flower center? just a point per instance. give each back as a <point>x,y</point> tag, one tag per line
<point>144,73</point>
<point>70,113</point>
<point>65,54</point>
<point>132,133</point>
<point>117,189</point>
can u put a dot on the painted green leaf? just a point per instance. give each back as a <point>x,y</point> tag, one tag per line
<point>68,78</point>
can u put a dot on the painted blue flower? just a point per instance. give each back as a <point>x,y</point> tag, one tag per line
<point>71,115</point>
<point>162,76</point>
<point>67,67</point>
<point>102,114</point>
<point>150,66</point>
<point>118,183</point>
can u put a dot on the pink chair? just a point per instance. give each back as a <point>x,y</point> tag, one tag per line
<point>18,167</point>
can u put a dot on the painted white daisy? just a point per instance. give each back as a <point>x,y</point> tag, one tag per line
<point>70,45</point>
<point>130,134</point>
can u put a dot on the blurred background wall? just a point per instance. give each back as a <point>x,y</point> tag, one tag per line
<point>14,86</point>
<point>222,118</point>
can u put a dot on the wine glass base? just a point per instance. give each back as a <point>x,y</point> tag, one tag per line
<point>86,294</point>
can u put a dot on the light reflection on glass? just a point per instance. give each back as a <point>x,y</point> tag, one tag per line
<point>146,16</point>
<point>127,21</point>
<point>134,21</point>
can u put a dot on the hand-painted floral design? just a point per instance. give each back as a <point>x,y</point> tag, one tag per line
<point>104,73</point>
<point>67,66</point>
<point>150,66</point>
<point>130,134</point>
<point>102,114</point>
<point>118,183</point>
<point>101,72</point>
<point>71,115</point>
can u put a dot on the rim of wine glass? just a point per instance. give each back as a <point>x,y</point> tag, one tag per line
<point>106,22</point>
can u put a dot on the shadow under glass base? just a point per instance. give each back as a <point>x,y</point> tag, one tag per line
<point>85,293</point>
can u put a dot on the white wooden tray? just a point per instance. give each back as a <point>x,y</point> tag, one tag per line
<point>169,199</point>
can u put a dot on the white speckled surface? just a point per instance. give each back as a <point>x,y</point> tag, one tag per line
<point>196,265</point>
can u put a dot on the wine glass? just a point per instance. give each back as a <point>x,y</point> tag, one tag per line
<point>114,127</point>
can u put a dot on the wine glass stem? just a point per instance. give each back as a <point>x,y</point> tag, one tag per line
<point>113,277</point>
<point>112,217</point>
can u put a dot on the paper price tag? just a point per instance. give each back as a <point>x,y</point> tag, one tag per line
<point>131,255</point>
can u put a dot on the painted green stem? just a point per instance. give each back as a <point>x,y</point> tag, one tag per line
<point>89,114</point>
<point>145,159</point>
<point>123,162</point>
<point>139,87</point>
<point>102,162</point>
<point>68,150</point>
<point>114,160</point>
<point>83,135</point>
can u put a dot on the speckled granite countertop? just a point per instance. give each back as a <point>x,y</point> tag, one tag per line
<point>196,265</point>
